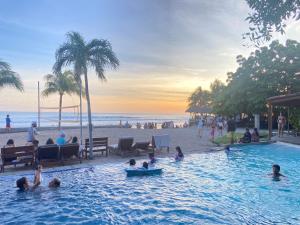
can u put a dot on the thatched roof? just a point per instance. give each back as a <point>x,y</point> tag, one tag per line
<point>199,109</point>
<point>285,100</point>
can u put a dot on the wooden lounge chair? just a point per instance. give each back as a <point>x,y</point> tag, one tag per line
<point>48,153</point>
<point>69,152</point>
<point>124,147</point>
<point>99,145</point>
<point>17,155</point>
<point>143,147</point>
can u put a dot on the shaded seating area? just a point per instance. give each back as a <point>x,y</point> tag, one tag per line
<point>99,145</point>
<point>17,155</point>
<point>289,100</point>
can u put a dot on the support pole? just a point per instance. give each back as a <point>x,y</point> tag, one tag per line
<point>270,120</point>
<point>80,83</point>
<point>288,121</point>
<point>39,106</point>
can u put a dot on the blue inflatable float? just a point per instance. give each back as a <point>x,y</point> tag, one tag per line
<point>143,172</point>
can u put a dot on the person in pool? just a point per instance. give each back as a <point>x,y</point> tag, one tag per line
<point>145,165</point>
<point>24,185</point>
<point>54,183</point>
<point>132,164</point>
<point>152,159</point>
<point>276,172</point>
<point>179,155</point>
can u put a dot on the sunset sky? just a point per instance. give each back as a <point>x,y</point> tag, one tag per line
<point>166,48</point>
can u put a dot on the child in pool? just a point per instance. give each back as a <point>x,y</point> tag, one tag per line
<point>54,183</point>
<point>152,159</point>
<point>132,164</point>
<point>179,155</point>
<point>276,172</point>
<point>145,165</point>
<point>24,185</point>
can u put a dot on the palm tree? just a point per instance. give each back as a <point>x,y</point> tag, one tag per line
<point>97,54</point>
<point>61,83</point>
<point>9,77</point>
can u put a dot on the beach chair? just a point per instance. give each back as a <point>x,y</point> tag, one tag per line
<point>159,142</point>
<point>99,145</point>
<point>69,152</point>
<point>143,147</point>
<point>17,155</point>
<point>48,153</point>
<point>124,147</point>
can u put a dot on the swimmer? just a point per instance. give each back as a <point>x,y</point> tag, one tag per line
<point>132,164</point>
<point>179,155</point>
<point>152,159</point>
<point>145,165</point>
<point>276,172</point>
<point>24,185</point>
<point>54,183</point>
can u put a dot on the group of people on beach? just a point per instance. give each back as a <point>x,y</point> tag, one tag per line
<point>32,138</point>
<point>152,160</point>
<point>217,126</point>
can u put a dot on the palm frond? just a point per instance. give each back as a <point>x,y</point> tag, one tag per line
<point>4,65</point>
<point>61,83</point>
<point>10,78</point>
<point>75,38</point>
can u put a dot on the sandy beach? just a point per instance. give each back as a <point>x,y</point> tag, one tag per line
<point>187,138</point>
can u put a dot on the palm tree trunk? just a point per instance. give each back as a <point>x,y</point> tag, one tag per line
<point>87,94</point>
<point>59,113</point>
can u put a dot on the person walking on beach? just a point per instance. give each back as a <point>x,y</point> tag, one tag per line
<point>200,127</point>
<point>8,121</point>
<point>32,132</point>
<point>213,129</point>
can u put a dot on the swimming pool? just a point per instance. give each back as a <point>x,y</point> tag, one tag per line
<point>212,188</point>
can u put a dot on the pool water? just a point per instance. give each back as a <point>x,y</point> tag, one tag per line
<point>212,188</point>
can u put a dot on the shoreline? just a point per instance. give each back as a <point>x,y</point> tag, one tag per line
<point>25,129</point>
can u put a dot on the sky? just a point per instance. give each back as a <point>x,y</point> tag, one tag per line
<point>166,48</point>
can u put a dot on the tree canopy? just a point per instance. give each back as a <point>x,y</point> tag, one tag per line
<point>266,72</point>
<point>268,16</point>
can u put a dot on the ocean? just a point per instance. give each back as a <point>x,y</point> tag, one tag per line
<point>50,119</point>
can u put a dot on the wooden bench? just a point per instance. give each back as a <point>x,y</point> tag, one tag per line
<point>47,153</point>
<point>69,152</point>
<point>17,155</point>
<point>99,145</point>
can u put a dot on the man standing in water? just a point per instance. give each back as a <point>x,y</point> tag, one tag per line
<point>8,121</point>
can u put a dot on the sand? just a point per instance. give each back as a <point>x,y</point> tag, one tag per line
<point>186,138</point>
